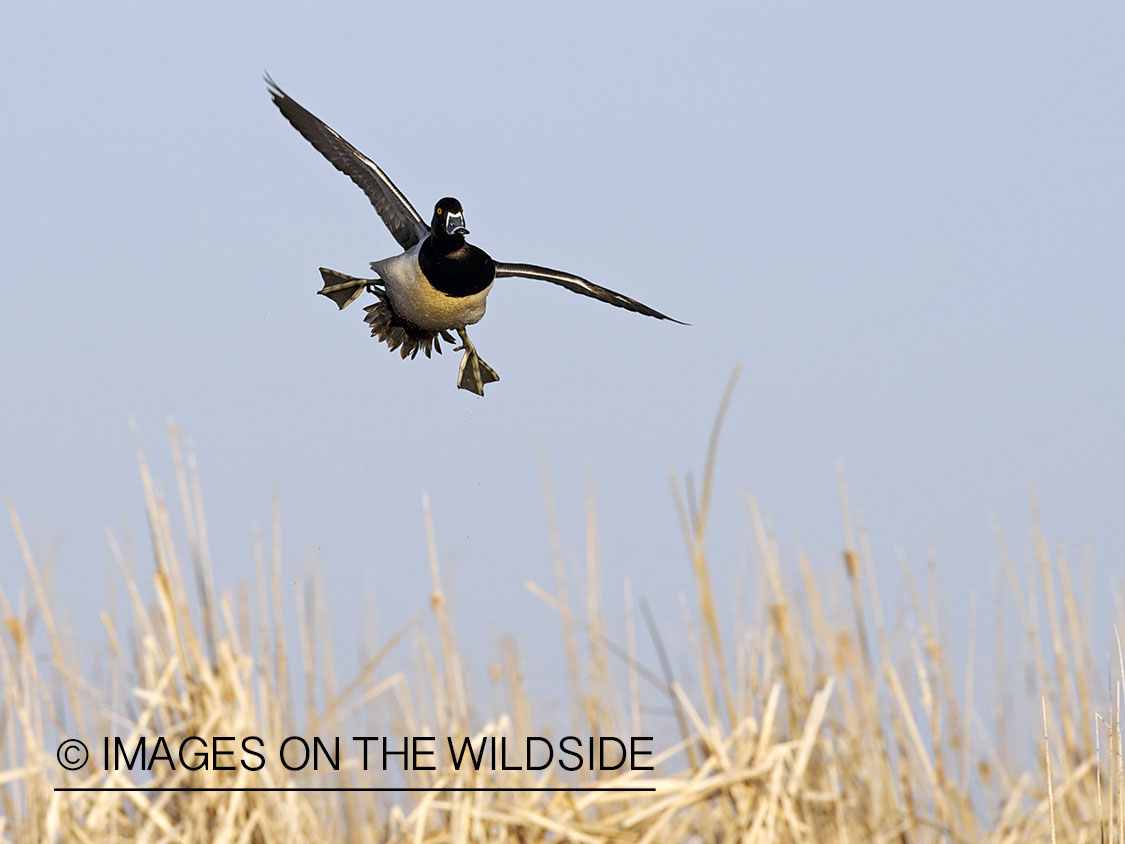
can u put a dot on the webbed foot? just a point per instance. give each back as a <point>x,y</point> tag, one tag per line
<point>473,373</point>
<point>343,289</point>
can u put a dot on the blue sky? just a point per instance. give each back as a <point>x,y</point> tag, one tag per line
<point>904,221</point>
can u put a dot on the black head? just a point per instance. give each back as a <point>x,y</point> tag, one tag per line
<point>449,218</point>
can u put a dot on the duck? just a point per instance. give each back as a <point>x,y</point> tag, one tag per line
<point>440,282</point>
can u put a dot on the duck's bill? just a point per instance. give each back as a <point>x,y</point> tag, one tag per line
<point>455,224</point>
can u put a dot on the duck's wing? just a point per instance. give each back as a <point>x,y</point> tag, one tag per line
<point>393,207</point>
<point>579,285</point>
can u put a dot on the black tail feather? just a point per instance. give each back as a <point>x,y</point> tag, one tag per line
<point>397,333</point>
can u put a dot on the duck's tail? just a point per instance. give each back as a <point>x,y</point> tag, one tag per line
<point>388,327</point>
<point>343,289</point>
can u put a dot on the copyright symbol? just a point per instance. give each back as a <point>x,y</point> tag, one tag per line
<point>72,754</point>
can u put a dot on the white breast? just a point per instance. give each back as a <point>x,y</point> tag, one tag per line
<point>415,300</point>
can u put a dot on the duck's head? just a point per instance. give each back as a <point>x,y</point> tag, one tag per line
<point>449,218</point>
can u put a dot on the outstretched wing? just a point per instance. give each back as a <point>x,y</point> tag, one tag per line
<point>579,285</point>
<point>394,208</point>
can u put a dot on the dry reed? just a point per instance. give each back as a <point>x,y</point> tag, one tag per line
<point>800,728</point>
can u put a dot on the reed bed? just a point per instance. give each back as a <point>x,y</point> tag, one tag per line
<point>802,727</point>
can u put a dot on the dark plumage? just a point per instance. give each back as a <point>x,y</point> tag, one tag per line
<point>453,266</point>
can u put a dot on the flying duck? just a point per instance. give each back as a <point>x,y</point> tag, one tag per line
<point>440,282</point>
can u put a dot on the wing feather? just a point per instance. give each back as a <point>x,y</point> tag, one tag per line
<point>405,223</point>
<point>579,285</point>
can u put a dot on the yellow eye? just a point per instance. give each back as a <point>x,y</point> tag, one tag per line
<point>439,212</point>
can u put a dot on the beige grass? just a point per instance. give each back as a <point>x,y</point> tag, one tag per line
<point>798,727</point>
